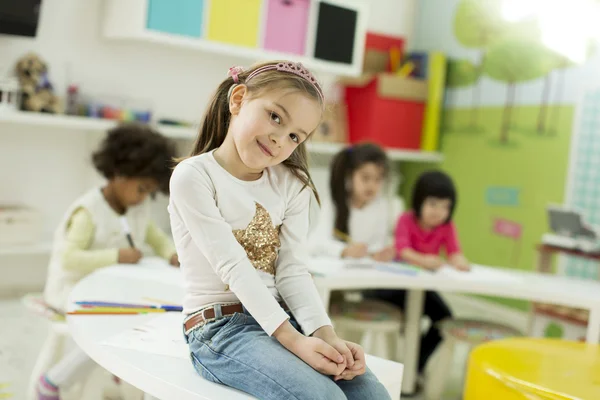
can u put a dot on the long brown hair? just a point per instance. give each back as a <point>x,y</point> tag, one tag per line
<point>215,122</point>
<point>342,168</point>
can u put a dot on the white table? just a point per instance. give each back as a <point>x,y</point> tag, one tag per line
<point>160,376</point>
<point>335,274</point>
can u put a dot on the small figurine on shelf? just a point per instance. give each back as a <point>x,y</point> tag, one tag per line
<point>37,91</point>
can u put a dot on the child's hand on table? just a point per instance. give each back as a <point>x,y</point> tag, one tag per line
<point>174,261</point>
<point>355,250</point>
<point>354,355</point>
<point>459,262</point>
<point>432,262</point>
<point>129,255</point>
<point>385,255</point>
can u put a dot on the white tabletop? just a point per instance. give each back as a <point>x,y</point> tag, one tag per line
<point>337,274</point>
<point>161,376</point>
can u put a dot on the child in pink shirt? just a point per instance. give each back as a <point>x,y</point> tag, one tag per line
<point>421,234</point>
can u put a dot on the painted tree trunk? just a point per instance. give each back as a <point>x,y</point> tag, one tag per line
<point>476,96</point>
<point>541,122</point>
<point>560,84</point>
<point>506,115</point>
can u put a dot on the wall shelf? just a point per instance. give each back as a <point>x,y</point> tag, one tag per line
<point>67,122</point>
<point>40,248</point>
<point>146,21</point>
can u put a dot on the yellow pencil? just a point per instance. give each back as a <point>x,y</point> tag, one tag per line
<point>110,309</point>
<point>406,69</point>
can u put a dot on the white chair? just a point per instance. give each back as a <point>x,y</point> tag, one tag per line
<point>375,324</point>
<point>470,332</point>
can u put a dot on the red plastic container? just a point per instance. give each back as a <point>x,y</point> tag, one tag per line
<point>387,121</point>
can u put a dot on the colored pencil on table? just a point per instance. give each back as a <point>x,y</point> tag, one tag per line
<point>81,312</point>
<point>136,310</point>
<point>88,304</point>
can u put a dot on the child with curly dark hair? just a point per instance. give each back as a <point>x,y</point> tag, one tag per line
<point>136,162</point>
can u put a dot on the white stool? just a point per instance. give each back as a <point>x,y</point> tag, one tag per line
<point>374,324</point>
<point>467,331</point>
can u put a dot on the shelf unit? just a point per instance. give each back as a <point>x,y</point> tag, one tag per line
<point>67,122</point>
<point>129,21</point>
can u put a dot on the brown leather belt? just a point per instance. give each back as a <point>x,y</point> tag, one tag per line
<point>208,314</point>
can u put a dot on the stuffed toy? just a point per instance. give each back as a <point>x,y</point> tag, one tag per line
<point>37,93</point>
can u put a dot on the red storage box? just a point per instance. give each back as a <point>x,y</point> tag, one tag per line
<point>386,109</point>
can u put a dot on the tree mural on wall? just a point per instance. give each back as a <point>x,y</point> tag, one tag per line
<point>461,74</point>
<point>477,25</point>
<point>514,61</point>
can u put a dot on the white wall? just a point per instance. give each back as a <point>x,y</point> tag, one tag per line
<point>47,169</point>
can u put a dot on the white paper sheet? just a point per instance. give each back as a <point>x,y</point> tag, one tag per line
<point>479,274</point>
<point>162,272</point>
<point>162,335</point>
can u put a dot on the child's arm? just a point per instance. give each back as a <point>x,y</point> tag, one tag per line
<point>78,257</point>
<point>455,256</point>
<point>407,253</point>
<point>292,279</point>
<point>294,283</point>
<point>161,243</point>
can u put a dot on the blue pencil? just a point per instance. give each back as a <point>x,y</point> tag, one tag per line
<point>125,305</point>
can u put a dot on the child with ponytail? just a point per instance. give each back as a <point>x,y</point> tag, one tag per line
<point>239,210</point>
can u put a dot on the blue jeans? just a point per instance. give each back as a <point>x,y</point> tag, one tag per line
<point>235,351</point>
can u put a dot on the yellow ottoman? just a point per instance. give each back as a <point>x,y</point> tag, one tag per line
<point>533,369</point>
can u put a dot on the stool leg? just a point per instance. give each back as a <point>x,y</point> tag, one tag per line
<point>392,344</point>
<point>49,355</point>
<point>464,371</point>
<point>437,383</point>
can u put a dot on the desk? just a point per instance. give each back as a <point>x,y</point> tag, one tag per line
<point>335,274</point>
<point>161,376</point>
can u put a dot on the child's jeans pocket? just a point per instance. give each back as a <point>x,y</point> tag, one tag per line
<point>220,327</point>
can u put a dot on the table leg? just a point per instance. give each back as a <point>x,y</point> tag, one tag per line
<point>593,328</point>
<point>544,262</point>
<point>412,333</point>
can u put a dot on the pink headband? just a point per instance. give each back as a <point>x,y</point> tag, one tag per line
<point>288,66</point>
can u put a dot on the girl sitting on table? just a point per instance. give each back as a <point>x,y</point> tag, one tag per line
<point>360,221</point>
<point>136,161</point>
<point>240,216</point>
<point>421,234</point>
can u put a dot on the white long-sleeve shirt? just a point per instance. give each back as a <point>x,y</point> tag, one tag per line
<point>244,241</point>
<point>372,225</point>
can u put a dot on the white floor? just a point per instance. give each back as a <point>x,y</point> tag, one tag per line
<point>22,335</point>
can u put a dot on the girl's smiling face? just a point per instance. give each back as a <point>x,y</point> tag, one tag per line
<point>266,129</point>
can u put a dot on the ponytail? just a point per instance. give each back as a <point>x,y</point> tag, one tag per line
<point>340,173</point>
<point>215,121</point>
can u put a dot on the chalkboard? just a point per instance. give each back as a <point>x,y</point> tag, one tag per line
<point>336,29</point>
